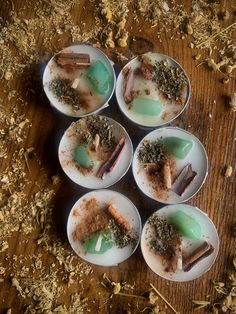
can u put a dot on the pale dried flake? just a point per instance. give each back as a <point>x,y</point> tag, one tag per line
<point>15,283</point>
<point>61,309</point>
<point>228,171</point>
<point>123,40</point>
<point>197,56</point>
<point>156,310</point>
<point>189,29</point>
<point>5,178</point>
<point>200,304</point>
<point>226,304</point>
<point>8,311</point>
<point>3,246</point>
<point>225,80</point>
<point>116,287</point>
<point>152,297</point>
<point>234,262</point>
<point>121,57</point>
<point>8,75</point>
<point>2,270</point>
<point>232,103</point>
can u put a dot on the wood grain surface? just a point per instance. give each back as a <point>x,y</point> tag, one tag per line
<point>207,116</point>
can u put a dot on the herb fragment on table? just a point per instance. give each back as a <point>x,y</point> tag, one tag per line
<point>225,299</point>
<point>200,304</point>
<point>63,91</point>
<point>163,298</point>
<point>232,102</point>
<point>228,171</point>
<point>170,80</point>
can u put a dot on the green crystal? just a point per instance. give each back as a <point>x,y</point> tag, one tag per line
<point>91,243</point>
<point>98,77</point>
<point>186,225</point>
<point>82,156</point>
<point>177,146</point>
<point>147,106</point>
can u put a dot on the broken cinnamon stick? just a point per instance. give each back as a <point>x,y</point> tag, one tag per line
<point>110,163</point>
<point>147,69</point>
<point>129,84</point>
<point>120,220</point>
<point>184,178</point>
<point>204,250</point>
<point>73,60</point>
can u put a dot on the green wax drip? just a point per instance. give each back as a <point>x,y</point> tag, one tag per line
<point>177,146</point>
<point>186,225</point>
<point>98,77</point>
<point>147,106</point>
<point>82,156</point>
<point>106,244</point>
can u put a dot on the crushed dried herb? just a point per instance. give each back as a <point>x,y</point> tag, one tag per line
<point>164,233</point>
<point>64,92</point>
<point>97,125</point>
<point>121,236</point>
<point>170,80</point>
<point>151,153</point>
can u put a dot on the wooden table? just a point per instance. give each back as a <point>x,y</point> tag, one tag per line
<point>207,116</point>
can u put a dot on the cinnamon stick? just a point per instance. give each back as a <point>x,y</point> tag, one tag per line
<point>183,180</point>
<point>119,219</point>
<point>110,163</point>
<point>129,85</point>
<point>72,60</point>
<point>204,250</point>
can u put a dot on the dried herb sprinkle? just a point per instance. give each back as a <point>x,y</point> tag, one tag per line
<point>170,79</point>
<point>121,237</point>
<point>98,125</point>
<point>61,88</point>
<point>152,152</point>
